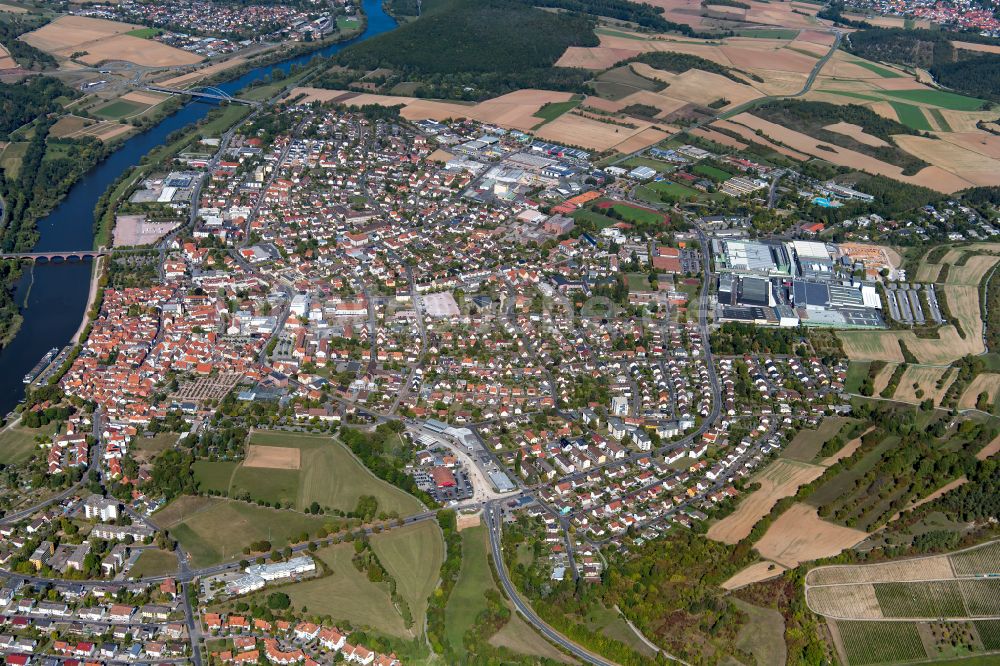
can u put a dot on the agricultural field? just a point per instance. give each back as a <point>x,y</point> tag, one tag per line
<point>881,642</point>
<point>215,530</point>
<point>781,478</point>
<point>800,535</point>
<point>295,470</point>
<point>94,41</point>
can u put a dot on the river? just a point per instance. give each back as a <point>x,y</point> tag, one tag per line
<point>53,296</point>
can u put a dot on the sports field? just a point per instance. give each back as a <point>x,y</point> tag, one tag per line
<point>295,470</point>
<point>17,443</point>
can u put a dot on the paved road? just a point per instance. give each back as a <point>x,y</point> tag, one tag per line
<point>493,521</point>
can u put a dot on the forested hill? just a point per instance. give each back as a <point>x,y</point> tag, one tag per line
<point>966,71</point>
<point>474,49</point>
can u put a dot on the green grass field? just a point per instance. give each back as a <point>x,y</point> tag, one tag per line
<point>675,190</point>
<point>941,98</point>
<point>768,33</point>
<point>412,555</point>
<point>214,530</point>
<point>344,23</point>
<point>637,215</point>
<point>154,562</point>
<point>120,109</point>
<point>658,165</point>
<point>881,642</point>
<point>878,69</point>
<point>940,119</point>
<point>17,444</point>
<point>553,110</point>
<point>328,474</point>
<point>348,595</point>
<point>712,173</point>
<point>145,33</point>
<point>148,448</point>
<point>467,599</point>
<point>807,443</point>
<point>763,634</point>
<point>911,116</point>
<point>11,156</point>
<point>215,476</point>
<point>599,221</point>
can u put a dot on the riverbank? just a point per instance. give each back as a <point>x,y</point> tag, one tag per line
<point>61,291</point>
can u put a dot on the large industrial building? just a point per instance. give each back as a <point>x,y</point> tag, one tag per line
<point>786,284</point>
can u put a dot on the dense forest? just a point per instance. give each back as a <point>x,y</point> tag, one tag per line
<point>812,118</point>
<point>471,50</point>
<point>678,63</point>
<point>965,71</point>
<point>23,102</point>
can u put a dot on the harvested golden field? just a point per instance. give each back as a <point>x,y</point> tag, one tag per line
<point>70,31</point>
<point>776,59</point>
<point>936,567</point>
<point>144,97</point>
<point>933,176</point>
<point>821,37</point>
<point>575,130</point>
<point>718,137</point>
<point>926,379</point>
<point>273,457</point>
<point>754,573</point>
<point>665,104</point>
<point>965,121</point>
<point>990,449</point>
<point>136,50</point>
<point>646,137</point>
<point>883,377</point>
<point>988,383</point>
<point>970,46</point>
<point>107,130</point>
<point>971,273</point>
<point>857,133</point>
<point>884,346</point>
<point>781,478</point>
<point>963,301</point>
<point>752,137</point>
<point>6,62</point>
<point>799,535</point>
<point>513,110</point>
<point>980,142</point>
<point>699,87</point>
<point>102,41</point>
<point>972,167</point>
